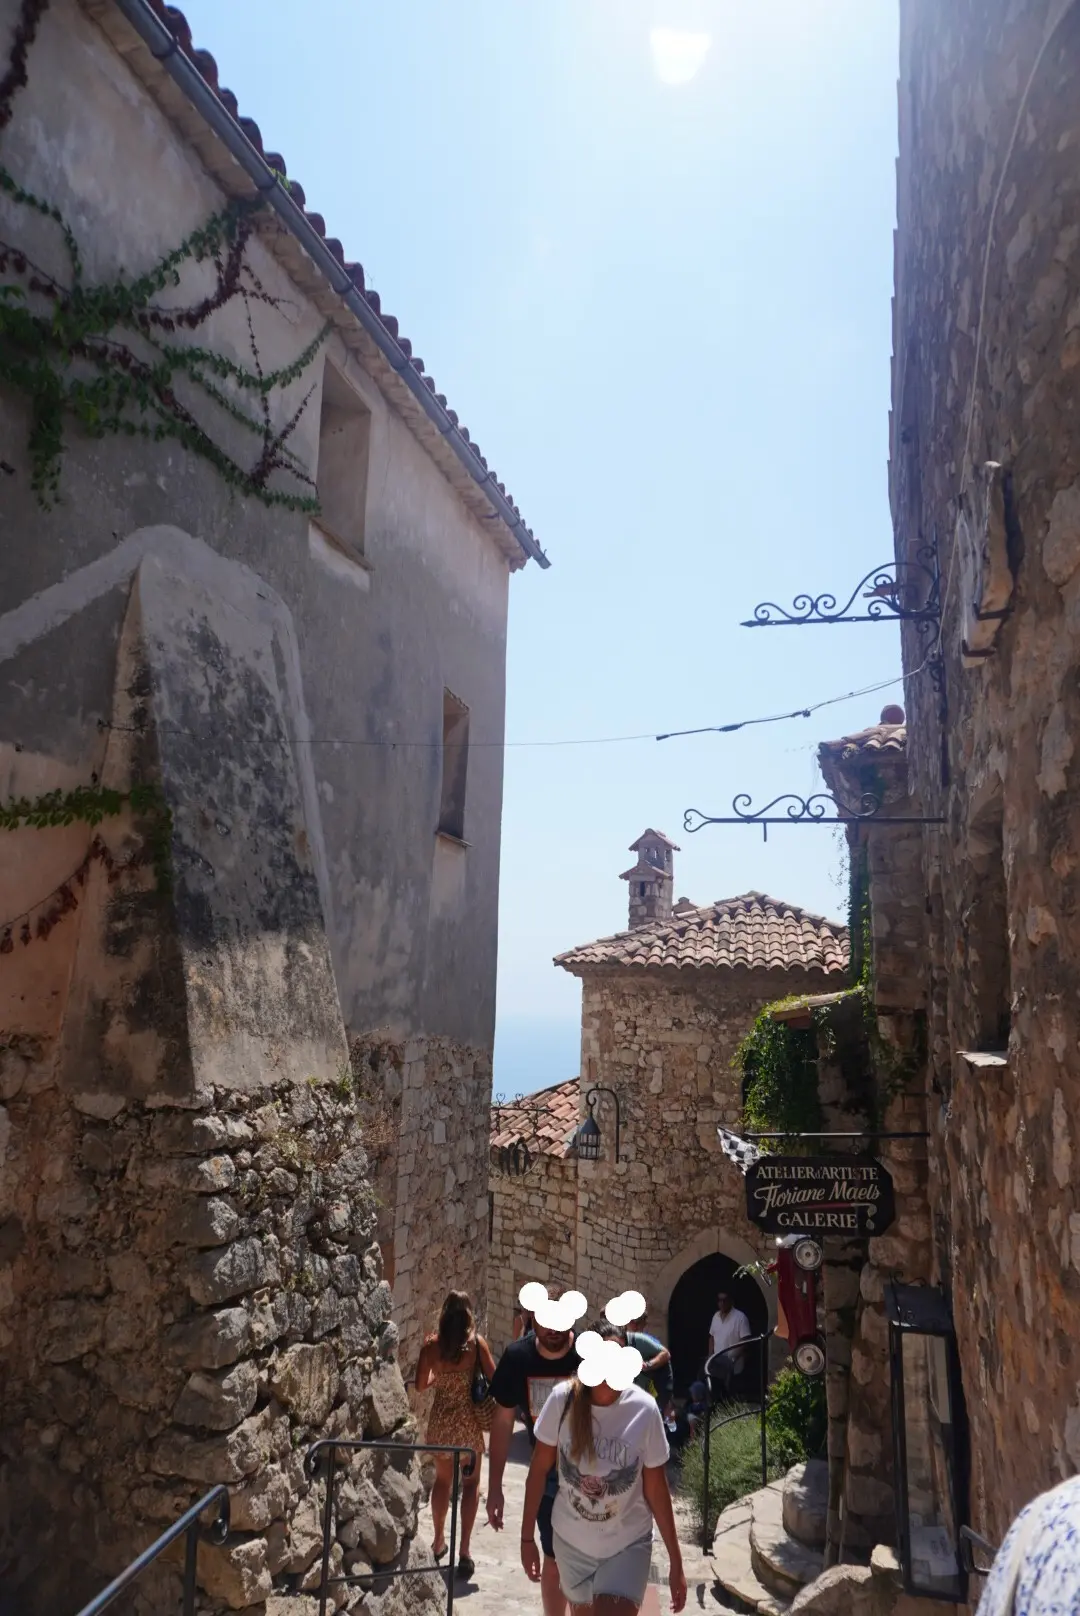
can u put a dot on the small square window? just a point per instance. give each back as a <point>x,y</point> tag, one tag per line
<point>342,476</point>
<point>455,766</point>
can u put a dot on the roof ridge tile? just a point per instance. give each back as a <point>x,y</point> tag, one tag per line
<point>205,64</point>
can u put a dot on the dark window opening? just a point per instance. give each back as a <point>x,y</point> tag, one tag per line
<point>455,766</point>
<point>641,889</point>
<point>692,1305</point>
<point>342,476</point>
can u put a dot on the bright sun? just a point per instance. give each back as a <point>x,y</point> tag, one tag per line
<point>678,55</point>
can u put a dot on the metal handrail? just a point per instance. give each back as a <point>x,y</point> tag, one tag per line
<point>743,1414</point>
<point>188,1523</point>
<point>330,1446</point>
<point>969,1541</point>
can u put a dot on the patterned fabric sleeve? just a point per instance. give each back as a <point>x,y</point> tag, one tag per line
<point>1037,1569</point>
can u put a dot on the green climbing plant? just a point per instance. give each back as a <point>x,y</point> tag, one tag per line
<point>117,360</point>
<point>88,805</point>
<point>778,1063</point>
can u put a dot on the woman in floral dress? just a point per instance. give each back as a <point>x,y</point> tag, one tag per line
<point>448,1361</point>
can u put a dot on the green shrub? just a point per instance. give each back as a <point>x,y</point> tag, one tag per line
<point>796,1428</point>
<point>796,1418</point>
<point>778,1064</point>
<point>734,1466</point>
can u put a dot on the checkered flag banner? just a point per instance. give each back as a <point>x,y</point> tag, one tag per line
<point>740,1151</point>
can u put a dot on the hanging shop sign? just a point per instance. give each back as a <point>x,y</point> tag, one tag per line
<point>820,1195</point>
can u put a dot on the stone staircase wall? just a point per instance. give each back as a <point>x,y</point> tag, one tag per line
<point>192,1289</point>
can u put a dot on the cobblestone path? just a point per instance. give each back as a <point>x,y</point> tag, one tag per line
<point>500,1587</point>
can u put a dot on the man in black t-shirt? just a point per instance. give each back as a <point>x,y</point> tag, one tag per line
<point>525,1375</point>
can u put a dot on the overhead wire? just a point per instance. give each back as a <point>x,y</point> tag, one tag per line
<point>391,743</point>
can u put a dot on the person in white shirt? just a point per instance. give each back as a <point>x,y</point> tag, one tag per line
<point>612,1453</point>
<point>727,1329</point>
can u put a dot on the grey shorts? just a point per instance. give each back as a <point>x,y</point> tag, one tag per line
<point>623,1575</point>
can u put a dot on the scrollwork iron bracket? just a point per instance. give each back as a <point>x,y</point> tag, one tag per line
<point>895,592</point>
<point>812,810</point>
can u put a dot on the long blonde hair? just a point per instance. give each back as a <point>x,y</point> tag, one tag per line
<point>579,1405</point>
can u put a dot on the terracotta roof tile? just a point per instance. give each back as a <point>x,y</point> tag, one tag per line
<point>206,66</point>
<point>753,932</point>
<point>554,1128</point>
<point>649,836</point>
<point>878,738</point>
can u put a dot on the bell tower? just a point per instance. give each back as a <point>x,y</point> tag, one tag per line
<point>651,878</point>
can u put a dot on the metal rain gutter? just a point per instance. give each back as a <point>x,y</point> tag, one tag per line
<point>183,72</point>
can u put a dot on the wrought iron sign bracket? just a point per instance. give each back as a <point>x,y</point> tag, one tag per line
<point>811,810</point>
<point>778,1133</point>
<point>895,592</point>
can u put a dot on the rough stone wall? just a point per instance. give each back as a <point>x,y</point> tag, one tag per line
<point>894,860</point>
<point>307,873</point>
<point>666,1048</point>
<point>989,193</point>
<point>902,1253</point>
<point>845,1090</point>
<point>193,1297</point>
<point>533,1236</point>
<point>431,1181</point>
<point>192,1292</point>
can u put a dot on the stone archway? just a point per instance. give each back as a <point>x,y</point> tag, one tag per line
<point>716,1252</point>
<point>708,1242</point>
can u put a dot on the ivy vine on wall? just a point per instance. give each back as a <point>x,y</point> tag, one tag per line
<point>87,805</point>
<point>112,356</point>
<point>778,1063</point>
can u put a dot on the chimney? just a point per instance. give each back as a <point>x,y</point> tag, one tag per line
<point>651,879</point>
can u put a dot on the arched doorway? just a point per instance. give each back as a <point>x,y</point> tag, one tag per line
<point>693,1303</point>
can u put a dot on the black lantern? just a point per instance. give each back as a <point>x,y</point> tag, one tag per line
<point>928,1444</point>
<point>588,1138</point>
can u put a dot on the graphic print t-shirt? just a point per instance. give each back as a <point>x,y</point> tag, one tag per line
<point>600,1507</point>
<point>525,1379</point>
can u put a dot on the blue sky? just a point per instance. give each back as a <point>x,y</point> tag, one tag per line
<point>663,310</point>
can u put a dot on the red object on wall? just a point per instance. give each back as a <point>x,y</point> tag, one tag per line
<point>797,1261</point>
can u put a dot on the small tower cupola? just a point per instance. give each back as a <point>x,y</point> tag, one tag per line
<point>652,878</point>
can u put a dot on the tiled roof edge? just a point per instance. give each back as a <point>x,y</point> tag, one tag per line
<point>571,956</point>
<point>165,31</point>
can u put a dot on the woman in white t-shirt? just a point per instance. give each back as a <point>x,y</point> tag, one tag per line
<point>611,1450</point>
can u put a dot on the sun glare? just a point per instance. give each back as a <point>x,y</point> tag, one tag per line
<point>677,55</point>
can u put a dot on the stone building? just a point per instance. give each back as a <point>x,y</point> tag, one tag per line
<point>533,1224</point>
<point>970,908</point>
<point>253,601</point>
<point>664,1007</point>
<point>985,470</point>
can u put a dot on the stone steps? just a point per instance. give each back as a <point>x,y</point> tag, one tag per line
<point>781,1562</point>
<point>733,1562</point>
<point>768,1545</point>
<point>806,1502</point>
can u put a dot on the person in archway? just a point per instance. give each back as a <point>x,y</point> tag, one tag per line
<point>727,1329</point>
<point>611,1450</point>
<point>527,1373</point>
